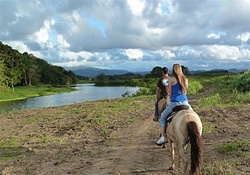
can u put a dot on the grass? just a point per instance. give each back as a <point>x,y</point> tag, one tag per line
<point>23,92</point>
<point>235,148</point>
<point>220,167</point>
<point>207,127</point>
<point>9,148</point>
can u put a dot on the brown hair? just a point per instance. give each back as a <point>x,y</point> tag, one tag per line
<point>180,77</point>
<point>165,70</point>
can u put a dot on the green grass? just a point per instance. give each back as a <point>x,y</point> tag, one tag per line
<point>23,92</point>
<point>228,90</point>
<point>194,86</point>
<point>235,148</point>
<point>219,167</point>
<point>10,147</point>
<point>207,127</point>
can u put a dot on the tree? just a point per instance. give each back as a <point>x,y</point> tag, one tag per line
<point>13,65</point>
<point>156,72</point>
<point>185,70</point>
<point>26,69</point>
<point>2,76</point>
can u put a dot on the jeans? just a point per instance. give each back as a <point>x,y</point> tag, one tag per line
<point>169,109</point>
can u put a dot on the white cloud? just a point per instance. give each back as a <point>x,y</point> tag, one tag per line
<point>63,44</point>
<point>42,36</point>
<point>213,35</point>
<point>165,53</point>
<point>20,46</point>
<point>134,53</point>
<point>225,52</point>
<point>136,6</point>
<point>244,36</point>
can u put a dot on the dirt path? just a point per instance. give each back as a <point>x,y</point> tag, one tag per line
<point>135,152</point>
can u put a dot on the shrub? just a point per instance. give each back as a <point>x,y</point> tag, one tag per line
<point>242,83</point>
<point>194,86</point>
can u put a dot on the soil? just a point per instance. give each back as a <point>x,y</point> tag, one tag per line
<point>129,149</point>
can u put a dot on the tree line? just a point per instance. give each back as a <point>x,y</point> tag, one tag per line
<point>26,69</point>
<point>132,79</point>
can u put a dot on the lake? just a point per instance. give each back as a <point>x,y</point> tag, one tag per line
<point>85,92</point>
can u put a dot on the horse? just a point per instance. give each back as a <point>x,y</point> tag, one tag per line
<point>186,127</point>
<point>162,103</point>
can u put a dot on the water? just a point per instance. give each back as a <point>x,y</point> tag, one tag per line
<point>85,92</point>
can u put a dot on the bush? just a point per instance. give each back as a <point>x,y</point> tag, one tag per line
<point>194,87</point>
<point>242,83</point>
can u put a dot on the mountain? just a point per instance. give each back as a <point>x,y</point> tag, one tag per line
<point>93,72</point>
<point>237,70</point>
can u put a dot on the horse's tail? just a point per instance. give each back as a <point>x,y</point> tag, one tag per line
<point>197,148</point>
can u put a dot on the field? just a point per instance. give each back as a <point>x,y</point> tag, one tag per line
<point>118,137</point>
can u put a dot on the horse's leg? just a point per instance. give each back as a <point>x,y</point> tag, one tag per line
<point>180,158</point>
<point>183,157</point>
<point>180,161</point>
<point>172,154</point>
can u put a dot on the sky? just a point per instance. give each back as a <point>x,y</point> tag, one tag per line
<point>133,35</point>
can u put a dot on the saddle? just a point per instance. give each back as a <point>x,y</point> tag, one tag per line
<point>175,110</point>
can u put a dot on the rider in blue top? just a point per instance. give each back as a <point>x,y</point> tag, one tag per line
<point>176,93</point>
<point>177,86</point>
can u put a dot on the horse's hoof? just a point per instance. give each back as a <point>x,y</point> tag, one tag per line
<point>171,168</point>
<point>159,144</point>
<point>163,146</point>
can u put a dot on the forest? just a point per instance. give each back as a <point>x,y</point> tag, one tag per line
<point>18,69</point>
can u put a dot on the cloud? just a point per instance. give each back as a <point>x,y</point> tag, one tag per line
<point>134,53</point>
<point>244,37</point>
<point>114,33</point>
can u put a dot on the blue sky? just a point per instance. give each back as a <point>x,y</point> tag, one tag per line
<point>134,35</point>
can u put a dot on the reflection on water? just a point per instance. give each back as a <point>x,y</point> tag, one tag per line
<point>85,92</point>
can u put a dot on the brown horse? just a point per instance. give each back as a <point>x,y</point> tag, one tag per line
<point>162,104</point>
<point>186,127</point>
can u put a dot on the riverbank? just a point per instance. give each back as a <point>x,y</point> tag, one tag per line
<point>23,92</point>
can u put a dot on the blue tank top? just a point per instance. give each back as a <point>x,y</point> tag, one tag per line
<point>177,96</point>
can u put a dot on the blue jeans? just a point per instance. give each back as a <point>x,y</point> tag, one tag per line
<point>169,109</point>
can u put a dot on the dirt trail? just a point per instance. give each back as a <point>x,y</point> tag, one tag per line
<point>133,151</point>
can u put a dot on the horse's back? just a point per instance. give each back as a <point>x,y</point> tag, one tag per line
<point>190,116</point>
<point>178,125</point>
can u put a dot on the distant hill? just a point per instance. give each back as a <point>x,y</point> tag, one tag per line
<point>93,72</point>
<point>237,70</point>
<point>218,70</point>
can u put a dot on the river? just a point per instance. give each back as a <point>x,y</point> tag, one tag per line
<point>83,93</point>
